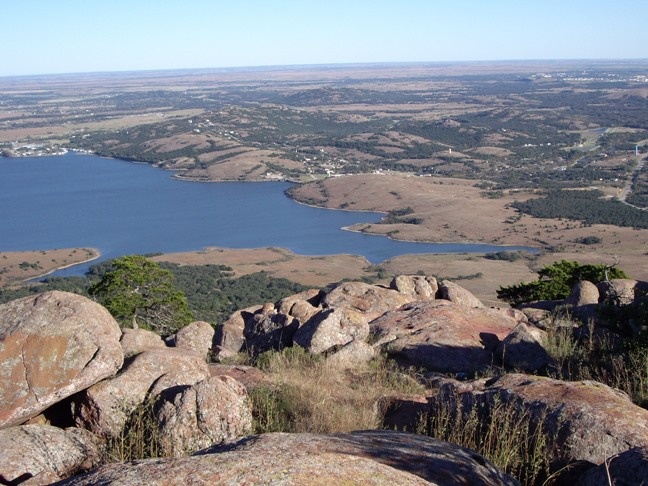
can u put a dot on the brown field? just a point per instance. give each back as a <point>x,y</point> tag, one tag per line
<point>453,210</point>
<point>317,271</point>
<point>320,271</point>
<point>39,263</point>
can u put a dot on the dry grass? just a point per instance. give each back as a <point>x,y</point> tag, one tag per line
<point>316,271</point>
<point>512,440</point>
<point>18,266</point>
<point>307,394</point>
<point>454,210</point>
<point>139,439</point>
<point>600,357</point>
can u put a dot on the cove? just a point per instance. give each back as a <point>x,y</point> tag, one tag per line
<point>121,208</point>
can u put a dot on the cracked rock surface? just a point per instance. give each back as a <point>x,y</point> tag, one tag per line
<point>52,346</point>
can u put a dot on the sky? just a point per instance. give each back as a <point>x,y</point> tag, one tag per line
<point>71,36</point>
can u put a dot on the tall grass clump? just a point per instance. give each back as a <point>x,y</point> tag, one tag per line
<point>306,393</point>
<point>139,439</point>
<point>512,439</point>
<point>601,355</point>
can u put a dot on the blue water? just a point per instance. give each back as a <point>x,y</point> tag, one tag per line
<point>123,208</point>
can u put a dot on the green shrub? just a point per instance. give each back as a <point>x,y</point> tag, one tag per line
<point>588,240</point>
<point>556,281</point>
<point>509,256</point>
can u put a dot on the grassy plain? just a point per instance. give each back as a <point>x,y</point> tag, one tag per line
<point>18,266</point>
<point>316,271</point>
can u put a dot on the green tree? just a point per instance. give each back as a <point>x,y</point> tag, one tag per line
<point>138,292</point>
<point>555,281</point>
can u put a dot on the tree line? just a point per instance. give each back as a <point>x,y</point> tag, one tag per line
<point>135,285</point>
<point>587,206</point>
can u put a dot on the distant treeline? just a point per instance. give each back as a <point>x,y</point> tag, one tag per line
<point>212,292</point>
<point>586,206</point>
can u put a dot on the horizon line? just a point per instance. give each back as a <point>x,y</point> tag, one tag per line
<point>266,67</point>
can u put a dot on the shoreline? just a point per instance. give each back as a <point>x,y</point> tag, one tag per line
<point>177,175</point>
<point>96,255</point>
<point>529,249</point>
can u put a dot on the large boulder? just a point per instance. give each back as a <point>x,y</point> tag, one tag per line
<point>589,421</point>
<point>443,336</point>
<point>268,329</point>
<point>301,306</point>
<point>105,407</point>
<point>454,293</point>
<point>43,454</point>
<point>621,291</point>
<point>351,355</point>
<point>197,337</point>
<point>135,341</point>
<point>53,346</point>
<point>330,329</point>
<point>583,293</point>
<point>376,457</point>
<point>265,327</point>
<point>229,338</point>
<point>419,287</point>
<point>627,468</point>
<point>212,411</point>
<point>523,349</point>
<point>370,300</point>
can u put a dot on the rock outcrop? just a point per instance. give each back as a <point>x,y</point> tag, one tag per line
<point>590,420</point>
<point>523,349</point>
<point>351,355</point>
<point>583,293</point>
<point>628,468</point>
<point>330,329</point>
<point>62,356</point>
<point>443,336</point>
<point>301,306</point>
<point>136,341</point>
<point>370,300</point>
<point>229,338</point>
<point>370,457</point>
<point>196,337</point>
<point>43,454</point>
<point>621,290</point>
<point>105,407</point>
<point>417,286</point>
<point>268,329</point>
<point>454,293</point>
<point>263,327</point>
<point>53,346</point>
<point>212,411</point>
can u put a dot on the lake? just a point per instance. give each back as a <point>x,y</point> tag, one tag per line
<point>121,208</point>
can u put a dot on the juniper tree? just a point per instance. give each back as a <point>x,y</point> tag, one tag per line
<point>138,292</point>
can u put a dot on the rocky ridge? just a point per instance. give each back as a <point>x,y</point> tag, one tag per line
<point>70,378</point>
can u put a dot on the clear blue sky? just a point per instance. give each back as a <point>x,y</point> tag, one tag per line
<point>62,36</point>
